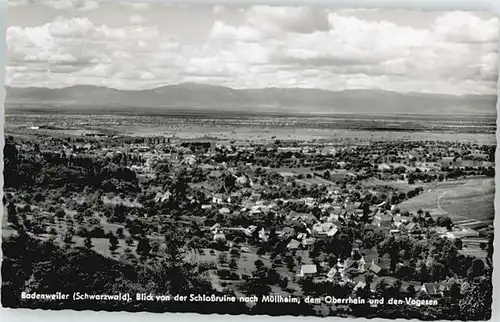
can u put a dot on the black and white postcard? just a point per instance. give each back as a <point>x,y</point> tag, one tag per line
<point>249,159</point>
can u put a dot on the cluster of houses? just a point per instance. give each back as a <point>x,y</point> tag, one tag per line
<point>355,266</point>
<point>391,221</point>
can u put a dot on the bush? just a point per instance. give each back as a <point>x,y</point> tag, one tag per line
<point>97,232</point>
<point>224,273</point>
<point>445,221</point>
<point>129,241</point>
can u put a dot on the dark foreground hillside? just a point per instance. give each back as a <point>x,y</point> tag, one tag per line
<point>34,266</point>
<point>80,220</point>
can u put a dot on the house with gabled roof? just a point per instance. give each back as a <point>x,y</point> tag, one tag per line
<point>287,232</point>
<point>218,199</point>
<point>219,236</point>
<point>324,229</point>
<point>411,226</point>
<point>429,289</point>
<point>375,268</point>
<point>308,270</point>
<point>331,273</point>
<point>293,244</point>
<point>263,235</point>
<point>360,285</point>
<point>301,236</point>
<point>308,241</point>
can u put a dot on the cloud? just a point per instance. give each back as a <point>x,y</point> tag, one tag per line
<point>72,4</point>
<point>461,26</point>
<point>352,46</point>
<point>75,40</point>
<point>136,19</point>
<point>228,33</point>
<point>287,19</point>
<point>270,46</point>
<point>81,5</point>
<point>17,3</point>
<point>143,5</point>
<point>218,9</point>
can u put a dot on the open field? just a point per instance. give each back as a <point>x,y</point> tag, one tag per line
<point>313,177</point>
<point>263,134</point>
<point>466,202</point>
<point>399,185</point>
<point>256,128</point>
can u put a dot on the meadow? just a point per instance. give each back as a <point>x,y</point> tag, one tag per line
<point>465,201</point>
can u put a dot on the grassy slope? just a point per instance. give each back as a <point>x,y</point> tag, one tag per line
<point>464,199</point>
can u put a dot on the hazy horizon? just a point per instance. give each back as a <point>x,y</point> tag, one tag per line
<point>208,85</point>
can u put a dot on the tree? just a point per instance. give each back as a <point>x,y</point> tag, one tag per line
<point>445,221</point>
<point>424,273</point>
<point>437,272</point>
<point>394,256</point>
<point>397,288</point>
<point>381,288</point>
<point>179,187</point>
<point>490,247</point>
<point>233,264</point>
<point>119,233</point>
<point>12,214</point>
<point>476,270</point>
<point>88,242</point>
<point>341,246</point>
<point>113,243</point>
<point>458,243</point>
<point>369,278</point>
<point>366,212</point>
<point>222,259</point>
<point>283,283</point>
<point>411,290</point>
<point>129,241</point>
<point>476,304</point>
<point>176,243</point>
<point>60,213</point>
<point>143,247</point>
<point>68,239</point>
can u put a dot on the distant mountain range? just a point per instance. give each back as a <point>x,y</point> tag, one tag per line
<point>200,97</point>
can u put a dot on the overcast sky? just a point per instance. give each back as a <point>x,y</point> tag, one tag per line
<point>57,43</point>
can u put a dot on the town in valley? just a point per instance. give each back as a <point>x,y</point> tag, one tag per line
<point>367,215</point>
